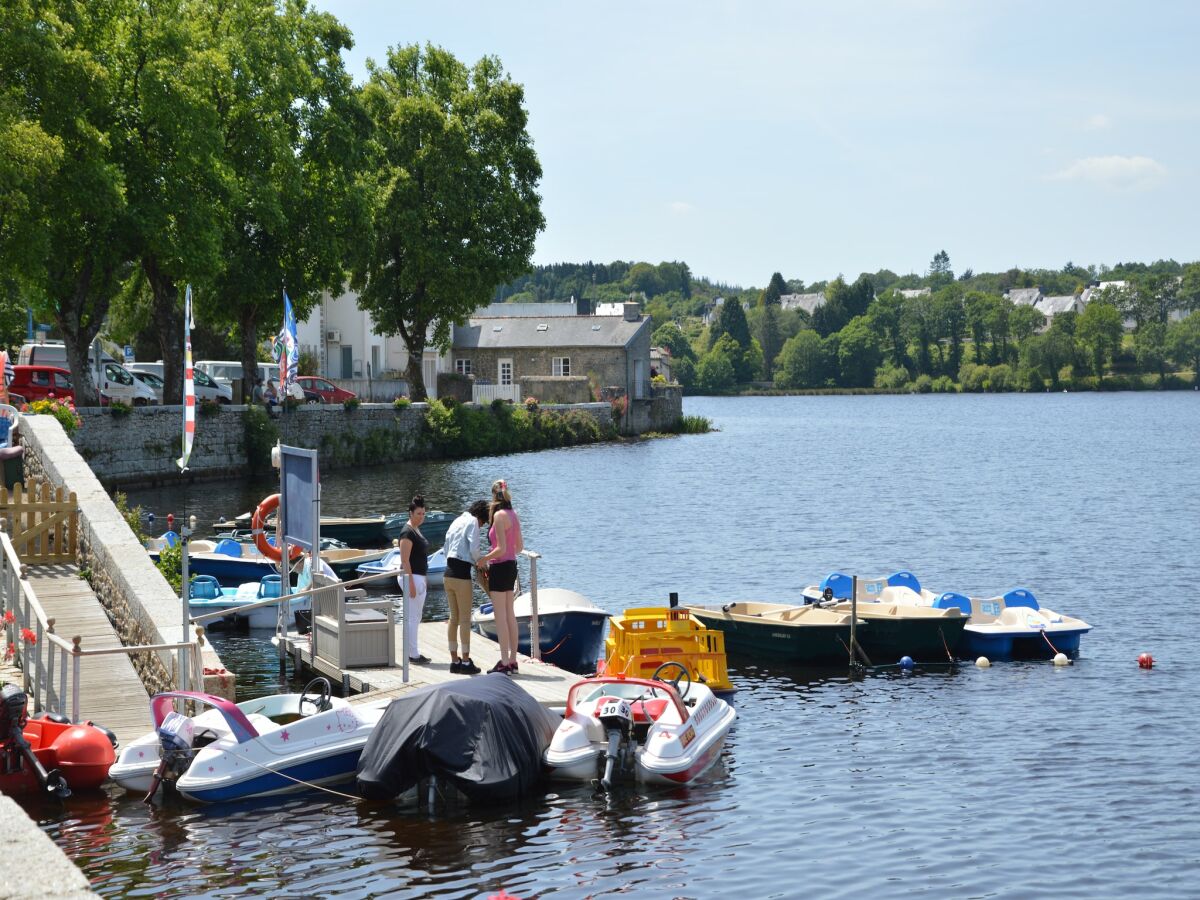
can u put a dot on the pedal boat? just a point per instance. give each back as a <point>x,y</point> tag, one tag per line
<point>257,748</point>
<point>1011,626</point>
<point>639,728</point>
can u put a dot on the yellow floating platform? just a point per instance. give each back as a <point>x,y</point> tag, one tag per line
<point>641,640</point>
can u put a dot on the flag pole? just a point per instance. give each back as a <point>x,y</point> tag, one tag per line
<point>189,433</point>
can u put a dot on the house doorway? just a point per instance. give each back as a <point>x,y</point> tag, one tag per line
<point>347,362</point>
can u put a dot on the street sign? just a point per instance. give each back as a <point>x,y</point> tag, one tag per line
<point>128,354</point>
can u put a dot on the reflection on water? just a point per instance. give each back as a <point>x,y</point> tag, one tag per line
<point>1019,780</point>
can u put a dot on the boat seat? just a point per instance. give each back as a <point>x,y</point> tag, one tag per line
<point>229,547</point>
<point>648,710</point>
<point>270,586</point>
<point>205,587</point>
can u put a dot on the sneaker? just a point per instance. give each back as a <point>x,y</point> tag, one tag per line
<point>512,667</point>
<point>468,668</point>
<point>499,667</point>
<point>419,660</point>
<point>456,667</point>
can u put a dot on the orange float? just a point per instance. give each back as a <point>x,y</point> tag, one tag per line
<point>257,524</point>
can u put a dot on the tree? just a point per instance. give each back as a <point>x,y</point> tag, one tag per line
<point>920,324</point>
<point>451,188</point>
<point>940,274</point>
<point>769,335</point>
<point>1189,288</point>
<point>1150,349</point>
<point>1025,321</point>
<point>951,322</point>
<point>858,353</point>
<point>294,134</point>
<point>731,320</point>
<point>887,318</point>
<point>1100,331</point>
<point>775,289</point>
<point>62,226</point>
<point>715,372</point>
<point>801,362</point>
<point>674,341</point>
<point>1183,344</point>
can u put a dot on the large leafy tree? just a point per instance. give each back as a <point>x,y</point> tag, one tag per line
<point>62,223</point>
<point>887,318</point>
<point>1183,344</point>
<point>768,332</point>
<point>802,363</point>
<point>172,73</point>
<point>451,186</point>
<point>294,134</point>
<point>858,353</point>
<point>1100,331</point>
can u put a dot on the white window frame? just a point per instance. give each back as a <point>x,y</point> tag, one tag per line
<point>463,366</point>
<point>560,366</point>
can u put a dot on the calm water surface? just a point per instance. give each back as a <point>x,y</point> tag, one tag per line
<point>1021,780</point>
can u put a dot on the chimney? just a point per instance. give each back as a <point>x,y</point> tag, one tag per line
<point>633,312</point>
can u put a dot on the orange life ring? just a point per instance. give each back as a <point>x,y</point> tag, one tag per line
<point>257,524</point>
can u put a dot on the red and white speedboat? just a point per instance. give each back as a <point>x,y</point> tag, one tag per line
<point>657,731</point>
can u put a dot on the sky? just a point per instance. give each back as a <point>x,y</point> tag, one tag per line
<point>817,139</point>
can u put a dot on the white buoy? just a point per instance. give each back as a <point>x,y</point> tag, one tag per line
<point>983,662</point>
<point>1061,659</point>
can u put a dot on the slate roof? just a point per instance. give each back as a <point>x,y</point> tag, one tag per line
<point>806,302</point>
<point>558,331</point>
<point>1024,296</point>
<point>1052,306</point>
<point>509,310</point>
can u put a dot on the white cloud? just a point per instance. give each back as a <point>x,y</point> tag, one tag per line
<point>1115,172</point>
<point>681,208</point>
<point>1098,122</point>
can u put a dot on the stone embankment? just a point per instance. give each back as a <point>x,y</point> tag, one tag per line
<point>141,447</point>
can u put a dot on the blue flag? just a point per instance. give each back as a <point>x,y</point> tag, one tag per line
<point>287,346</point>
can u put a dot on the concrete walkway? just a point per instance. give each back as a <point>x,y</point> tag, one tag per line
<point>32,865</point>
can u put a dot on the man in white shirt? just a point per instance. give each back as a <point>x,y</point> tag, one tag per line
<point>462,553</point>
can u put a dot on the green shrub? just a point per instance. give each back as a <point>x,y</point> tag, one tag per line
<point>170,563</point>
<point>944,385</point>
<point>692,425</point>
<point>401,403</point>
<point>63,410</point>
<point>209,407</point>
<point>350,404</point>
<point>118,409</point>
<point>132,516</point>
<point>260,436</point>
<point>891,378</point>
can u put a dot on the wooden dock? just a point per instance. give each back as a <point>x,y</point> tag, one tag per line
<point>110,692</point>
<point>546,683</point>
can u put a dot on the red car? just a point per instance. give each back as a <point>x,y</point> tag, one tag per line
<point>325,389</point>
<point>42,382</point>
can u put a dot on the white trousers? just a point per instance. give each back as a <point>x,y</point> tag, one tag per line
<point>414,608</point>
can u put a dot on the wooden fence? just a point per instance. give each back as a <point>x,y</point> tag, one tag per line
<point>43,523</point>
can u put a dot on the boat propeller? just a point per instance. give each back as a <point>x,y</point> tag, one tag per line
<point>616,717</point>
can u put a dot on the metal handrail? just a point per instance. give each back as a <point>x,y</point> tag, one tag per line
<point>38,668</point>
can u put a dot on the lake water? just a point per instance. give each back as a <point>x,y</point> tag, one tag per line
<point>1020,780</point>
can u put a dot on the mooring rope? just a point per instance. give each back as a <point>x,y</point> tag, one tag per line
<point>1047,640</point>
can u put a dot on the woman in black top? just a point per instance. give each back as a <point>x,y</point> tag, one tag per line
<point>414,560</point>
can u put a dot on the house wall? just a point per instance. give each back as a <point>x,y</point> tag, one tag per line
<point>548,389</point>
<point>607,364</point>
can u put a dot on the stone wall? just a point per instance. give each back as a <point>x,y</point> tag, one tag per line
<point>603,366</point>
<point>138,600</point>
<point>659,413</point>
<point>564,389</point>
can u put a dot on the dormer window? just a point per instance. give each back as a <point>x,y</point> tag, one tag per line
<point>542,326</point>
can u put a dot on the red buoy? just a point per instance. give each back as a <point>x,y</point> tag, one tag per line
<point>1145,661</point>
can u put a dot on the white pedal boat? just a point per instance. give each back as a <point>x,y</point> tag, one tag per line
<point>257,748</point>
<point>647,729</point>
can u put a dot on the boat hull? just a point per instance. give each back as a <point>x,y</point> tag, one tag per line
<point>811,645</point>
<point>1000,646</point>
<point>571,640</point>
<point>888,639</point>
<point>286,777</point>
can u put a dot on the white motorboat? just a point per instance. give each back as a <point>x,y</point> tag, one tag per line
<point>257,748</point>
<point>570,627</point>
<point>649,729</point>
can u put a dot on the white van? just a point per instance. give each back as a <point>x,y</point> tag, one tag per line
<point>224,371</point>
<point>115,382</point>
<point>205,387</point>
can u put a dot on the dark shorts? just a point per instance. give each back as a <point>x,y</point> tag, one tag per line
<point>502,576</point>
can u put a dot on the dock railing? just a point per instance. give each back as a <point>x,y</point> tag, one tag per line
<point>52,667</point>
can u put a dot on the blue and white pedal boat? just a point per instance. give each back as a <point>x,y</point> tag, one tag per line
<point>257,748</point>
<point>208,596</point>
<point>390,563</point>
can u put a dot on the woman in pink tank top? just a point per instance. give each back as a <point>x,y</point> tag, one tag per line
<point>501,562</point>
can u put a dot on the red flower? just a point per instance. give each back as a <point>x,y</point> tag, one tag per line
<point>9,618</point>
<point>28,636</point>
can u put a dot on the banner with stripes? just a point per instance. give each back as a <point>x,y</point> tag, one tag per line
<point>189,387</point>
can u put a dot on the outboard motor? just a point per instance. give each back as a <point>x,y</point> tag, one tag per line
<point>616,717</point>
<point>174,750</point>
<point>15,752</point>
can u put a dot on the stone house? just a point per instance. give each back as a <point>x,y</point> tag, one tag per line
<point>557,358</point>
<point>810,303</point>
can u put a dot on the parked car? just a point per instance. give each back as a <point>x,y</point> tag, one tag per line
<point>205,388</point>
<point>115,382</point>
<point>41,383</point>
<point>325,389</point>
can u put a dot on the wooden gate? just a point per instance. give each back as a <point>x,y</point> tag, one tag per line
<point>43,523</point>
